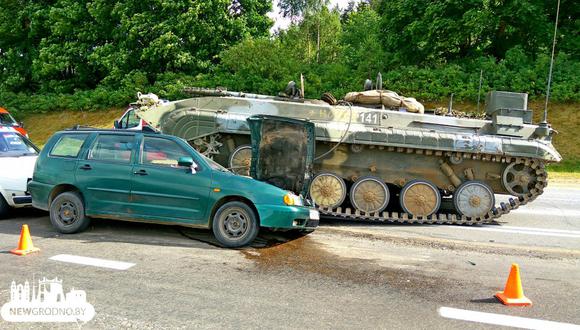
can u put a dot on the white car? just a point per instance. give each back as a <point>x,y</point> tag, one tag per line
<point>17,158</point>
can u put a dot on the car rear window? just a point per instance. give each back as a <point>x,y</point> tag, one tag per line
<point>112,148</point>
<point>69,145</point>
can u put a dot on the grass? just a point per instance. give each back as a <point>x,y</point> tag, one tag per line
<point>564,177</point>
<point>564,117</point>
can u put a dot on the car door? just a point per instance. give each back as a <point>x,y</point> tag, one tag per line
<point>162,190</point>
<point>104,174</point>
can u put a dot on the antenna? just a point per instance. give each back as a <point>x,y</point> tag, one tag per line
<point>479,89</point>
<point>302,84</point>
<point>551,65</point>
<point>450,106</point>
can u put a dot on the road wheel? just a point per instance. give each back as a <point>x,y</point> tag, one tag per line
<point>67,213</point>
<point>369,194</point>
<point>473,199</point>
<point>235,224</point>
<point>327,190</point>
<point>4,208</point>
<point>241,159</point>
<point>519,179</point>
<point>420,198</point>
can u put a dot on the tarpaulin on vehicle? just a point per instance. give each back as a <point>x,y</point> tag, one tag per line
<point>387,98</point>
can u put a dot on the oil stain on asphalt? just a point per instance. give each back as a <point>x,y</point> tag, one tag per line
<point>308,255</point>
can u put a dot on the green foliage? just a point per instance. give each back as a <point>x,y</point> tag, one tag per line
<point>65,46</point>
<point>66,54</point>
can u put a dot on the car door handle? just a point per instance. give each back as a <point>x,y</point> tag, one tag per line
<point>140,172</point>
<point>86,167</point>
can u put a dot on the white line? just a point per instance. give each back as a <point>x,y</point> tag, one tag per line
<point>552,212</point>
<point>576,232</point>
<point>499,229</point>
<point>119,265</point>
<point>505,320</point>
<point>559,199</point>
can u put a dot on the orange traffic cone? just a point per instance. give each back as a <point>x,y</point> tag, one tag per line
<point>513,294</point>
<point>25,245</point>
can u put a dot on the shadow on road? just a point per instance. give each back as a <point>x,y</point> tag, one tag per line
<point>491,300</point>
<point>104,230</point>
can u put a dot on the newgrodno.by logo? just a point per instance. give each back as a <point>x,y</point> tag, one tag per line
<point>46,303</point>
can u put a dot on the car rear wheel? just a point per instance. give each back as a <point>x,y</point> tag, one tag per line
<point>235,225</point>
<point>67,213</point>
<point>4,208</point>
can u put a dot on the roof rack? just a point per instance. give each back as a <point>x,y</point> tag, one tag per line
<point>83,127</point>
<point>90,128</point>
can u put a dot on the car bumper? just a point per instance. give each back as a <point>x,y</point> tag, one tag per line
<point>39,192</point>
<point>288,217</point>
<point>18,198</point>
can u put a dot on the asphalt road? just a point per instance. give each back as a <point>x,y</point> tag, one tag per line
<point>344,275</point>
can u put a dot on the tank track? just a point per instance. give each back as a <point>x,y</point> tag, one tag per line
<point>450,218</point>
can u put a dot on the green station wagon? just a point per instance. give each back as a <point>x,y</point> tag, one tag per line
<point>147,177</point>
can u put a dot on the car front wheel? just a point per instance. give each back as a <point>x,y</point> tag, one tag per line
<point>235,225</point>
<point>67,213</point>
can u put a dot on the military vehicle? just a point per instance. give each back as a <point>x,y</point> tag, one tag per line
<point>382,163</point>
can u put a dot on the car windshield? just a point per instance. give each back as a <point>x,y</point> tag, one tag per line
<point>215,165</point>
<point>6,119</point>
<point>13,144</point>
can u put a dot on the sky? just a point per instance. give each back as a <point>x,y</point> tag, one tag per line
<point>283,22</point>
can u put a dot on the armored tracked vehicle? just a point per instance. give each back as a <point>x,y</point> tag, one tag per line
<point>383,164</point>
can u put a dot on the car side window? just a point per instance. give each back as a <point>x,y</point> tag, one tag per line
<point>112,148</point>
<point>161,152</point>
<point>69,145</point>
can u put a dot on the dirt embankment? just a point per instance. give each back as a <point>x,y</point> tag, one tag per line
<point>41,126</point>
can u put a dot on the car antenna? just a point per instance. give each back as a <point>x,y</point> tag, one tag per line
<point>545,120</point>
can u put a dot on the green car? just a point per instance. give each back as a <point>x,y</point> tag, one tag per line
<point>147,177</point>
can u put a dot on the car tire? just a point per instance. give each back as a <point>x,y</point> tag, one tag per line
<point>235,225</point>
<point>4,208</point>
<point>67,213</point>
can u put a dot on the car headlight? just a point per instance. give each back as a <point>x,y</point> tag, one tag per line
<point>291,199</point>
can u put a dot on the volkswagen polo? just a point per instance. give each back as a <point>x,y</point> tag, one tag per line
<point>138,176</point>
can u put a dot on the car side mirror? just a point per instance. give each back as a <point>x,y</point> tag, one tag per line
<point>116,124</point>
<point>21,124</point>
<point>185,162</point>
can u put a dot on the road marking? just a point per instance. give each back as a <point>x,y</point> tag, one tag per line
<point>526,232</point>
<point>577,232</point>
<point>559,199</point>
<point>505,320</point>
<point>119,265</point>
<point>552,212</point>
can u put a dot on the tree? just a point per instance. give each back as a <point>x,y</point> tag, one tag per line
<point>361,39</point>
<point>305,9</point>
<point>68,45</point>
<point>441,31</point>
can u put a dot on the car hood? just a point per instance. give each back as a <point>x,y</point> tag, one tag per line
<point>257,191</point>
<point>282,151</point>
<point>16,171</point>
